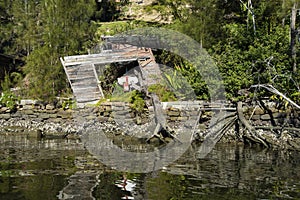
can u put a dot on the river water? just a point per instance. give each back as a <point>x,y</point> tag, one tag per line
<point>63,169</point>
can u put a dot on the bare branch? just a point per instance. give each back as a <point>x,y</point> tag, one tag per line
<point>275,91</point>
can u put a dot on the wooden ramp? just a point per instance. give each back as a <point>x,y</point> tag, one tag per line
<point>84,83</point>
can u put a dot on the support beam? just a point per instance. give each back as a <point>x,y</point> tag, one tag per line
<point>99,86</point>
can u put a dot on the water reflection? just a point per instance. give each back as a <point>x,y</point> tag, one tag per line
<point>127,186</point>
<point>228,172</point>
<point>63,169</point>
<point>32,169</point>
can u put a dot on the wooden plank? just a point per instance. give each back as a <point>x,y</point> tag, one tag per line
<point>88,97</point>
<point>79,69</point>
<point>92,98</point>
<point>87,100</point>
<point>97,56</point>
<point>80,77</point>
<point>101,61</point>
<point>82,73</point>
<point>107,54</point>
<point>85,82</point>
<point>86,88</point>
<point>83,87</point>
<point>98,82</point>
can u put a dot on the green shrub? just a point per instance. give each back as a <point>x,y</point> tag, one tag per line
<point>9,100</point>
<point>137,101</point>
<point>68,104</point>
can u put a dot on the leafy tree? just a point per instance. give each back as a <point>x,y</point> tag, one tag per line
<point>6,33</point>
<point>263,60</point>
<point>65,29</point>
<point>244,58</point>
<point>198,19</point>
<point>26,21</point>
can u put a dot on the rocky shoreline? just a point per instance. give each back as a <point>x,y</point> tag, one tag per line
<point>37,120</point>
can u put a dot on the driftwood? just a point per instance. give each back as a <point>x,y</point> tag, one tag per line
<point>216,131</point>
<point>221,128</point>
<point>220,120</point>
<point>252,132</point>
<point>160,119</point>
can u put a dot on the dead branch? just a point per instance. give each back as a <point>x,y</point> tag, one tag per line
<point>275,91</point>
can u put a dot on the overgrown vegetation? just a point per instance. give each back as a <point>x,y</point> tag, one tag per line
<point>248,49</point>
<point>259,48</point>
<point>135,98</point>
<point>163,92</point>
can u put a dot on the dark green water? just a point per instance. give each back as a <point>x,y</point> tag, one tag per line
<point>63,169</point>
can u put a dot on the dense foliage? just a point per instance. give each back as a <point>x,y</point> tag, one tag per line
<point>250,41</point>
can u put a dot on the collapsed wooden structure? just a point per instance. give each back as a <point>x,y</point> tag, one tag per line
<point>83,77</point>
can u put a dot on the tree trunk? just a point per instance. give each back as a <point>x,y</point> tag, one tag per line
<point>250,8</point>
<point>294,36</point>
<point>252,132</point>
